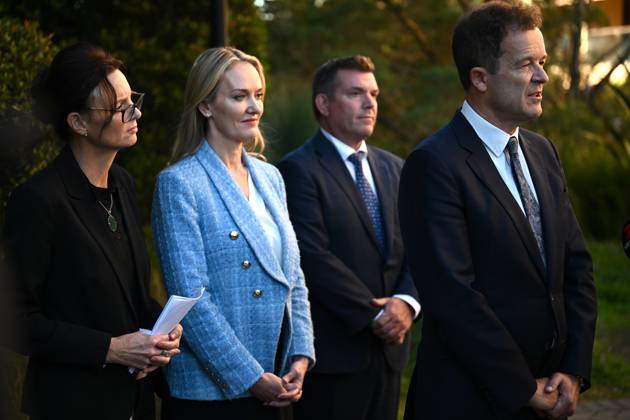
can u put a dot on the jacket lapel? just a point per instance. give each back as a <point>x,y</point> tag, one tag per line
<point>487,173</point>
<point>238,207</point>
<point>89,212</point>
<point>331,162</point>
<point>545,199</point>
<point>276,208</point>
<point>136,236</point>
<point>385,196</point>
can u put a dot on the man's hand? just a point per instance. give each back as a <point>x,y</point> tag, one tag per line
<point>393,324</point>
<point>543,401</point>
<point>568,389</point>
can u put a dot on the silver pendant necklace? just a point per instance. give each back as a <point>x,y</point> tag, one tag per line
<point>111,220</point>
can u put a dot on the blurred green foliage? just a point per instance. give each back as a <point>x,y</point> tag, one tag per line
<point>158,42</point>
<point>420,91</point>
<point>611,356</point>
<point>24,148</point>
<point>409,42</point>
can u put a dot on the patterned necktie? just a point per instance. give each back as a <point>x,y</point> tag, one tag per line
<point>532,209</point>
<point>369,198</point>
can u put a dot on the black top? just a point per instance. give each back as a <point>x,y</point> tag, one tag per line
<point>77,286</point>
<point>118,240</point>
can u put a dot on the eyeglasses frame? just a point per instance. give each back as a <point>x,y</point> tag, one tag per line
<point>136,105</point>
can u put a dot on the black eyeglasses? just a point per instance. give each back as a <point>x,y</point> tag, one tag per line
<point>128,111</point>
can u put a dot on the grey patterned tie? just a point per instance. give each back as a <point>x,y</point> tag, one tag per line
<point>532,209</point>
<point>372,204</point>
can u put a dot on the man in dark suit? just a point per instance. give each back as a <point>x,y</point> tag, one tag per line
<point>343,208</point>
<point>494,246</point>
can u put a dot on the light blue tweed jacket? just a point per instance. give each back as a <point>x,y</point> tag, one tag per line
<point>208,236</point>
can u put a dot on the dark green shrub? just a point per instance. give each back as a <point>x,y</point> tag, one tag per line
<point>24,147</point>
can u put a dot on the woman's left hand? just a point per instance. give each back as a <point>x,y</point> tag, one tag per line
<point>292,382</point>
<point>168,348</point>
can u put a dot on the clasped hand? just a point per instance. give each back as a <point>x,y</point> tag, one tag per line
<point>144,352</point>
<point>394,322</point>
<point>281,392</point>
<point>556,397</point>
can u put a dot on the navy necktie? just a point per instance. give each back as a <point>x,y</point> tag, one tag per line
<point>532,209</point>
<point>372,204</point>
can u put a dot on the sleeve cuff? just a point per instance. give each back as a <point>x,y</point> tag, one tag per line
<point>415,305</point>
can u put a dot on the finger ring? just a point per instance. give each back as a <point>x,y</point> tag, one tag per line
<point>163,353</point>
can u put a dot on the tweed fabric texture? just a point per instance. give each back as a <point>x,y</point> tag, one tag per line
<point>207,235</point>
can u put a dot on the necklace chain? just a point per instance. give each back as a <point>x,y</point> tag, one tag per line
<point>111,220</point>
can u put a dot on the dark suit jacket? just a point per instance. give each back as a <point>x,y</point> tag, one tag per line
<point>495,318</point>
<point>343,267</point>
<point>70,300</point>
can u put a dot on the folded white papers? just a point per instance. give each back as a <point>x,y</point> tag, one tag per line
<point>174,311</point>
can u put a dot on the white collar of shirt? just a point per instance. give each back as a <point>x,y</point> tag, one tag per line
<point>344,150</point>
<point>493,137</point>
<point>494,140</point>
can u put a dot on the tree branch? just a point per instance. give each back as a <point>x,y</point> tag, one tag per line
<point>416,32</point>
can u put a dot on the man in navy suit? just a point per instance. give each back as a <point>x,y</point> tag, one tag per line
<point>494,246</point>
<point>342,197</point>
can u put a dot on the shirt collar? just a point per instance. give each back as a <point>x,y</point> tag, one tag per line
<point>342,148</point>
<point>493,137</point>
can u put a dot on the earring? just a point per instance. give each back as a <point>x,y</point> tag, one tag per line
<point>85,134</point>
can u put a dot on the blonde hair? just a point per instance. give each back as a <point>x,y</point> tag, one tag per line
<point>203,82</point>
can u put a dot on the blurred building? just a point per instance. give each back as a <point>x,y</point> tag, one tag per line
<point>606,48</point>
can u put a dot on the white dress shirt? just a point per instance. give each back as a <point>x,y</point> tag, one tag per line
<point>495,141</point>
<point>265,219</point>
<point>345,151</point>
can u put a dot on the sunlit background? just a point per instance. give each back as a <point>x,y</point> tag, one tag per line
<point>586,105</point>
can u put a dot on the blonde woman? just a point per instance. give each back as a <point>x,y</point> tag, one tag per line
<point>220,221</point>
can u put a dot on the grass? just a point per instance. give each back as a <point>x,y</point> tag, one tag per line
<point>611,355</point>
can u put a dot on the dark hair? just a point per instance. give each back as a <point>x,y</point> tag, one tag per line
<point>65,86</point>
<point>478,35</point>
<point>326,74</point>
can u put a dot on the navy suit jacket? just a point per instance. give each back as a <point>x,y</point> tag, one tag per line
<point>343,267</point>
<point>495,317</point>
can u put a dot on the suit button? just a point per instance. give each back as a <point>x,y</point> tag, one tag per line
<point>233,235</point>
<point>246,264</point>
<point>257,293</point>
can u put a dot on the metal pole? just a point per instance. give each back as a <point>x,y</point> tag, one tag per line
<point>218,23</point>
<point>574,89</point>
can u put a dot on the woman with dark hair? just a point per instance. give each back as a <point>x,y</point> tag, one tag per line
<point>80,262</point>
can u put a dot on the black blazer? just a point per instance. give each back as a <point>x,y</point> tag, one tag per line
<point>70,300</point>
<point>342,265</point>
<point>495,318</point>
